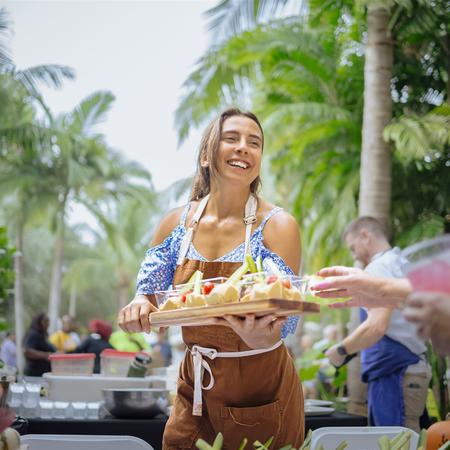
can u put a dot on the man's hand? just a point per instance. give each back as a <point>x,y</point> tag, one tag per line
<point>255,332</point>
<point>334,356</point>
<point>135,316</point>
<point>431,312</point>
<point>364,289</point>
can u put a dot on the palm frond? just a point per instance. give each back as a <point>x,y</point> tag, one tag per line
<point>51,75</point>
<point>416,137</point>
<point>90,112</point>
<point>5,57</point>
<point>232,17</point>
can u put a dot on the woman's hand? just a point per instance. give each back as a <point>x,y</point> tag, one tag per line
<point>256,332</point>
<point>364,289</point>
<point>135,316</point>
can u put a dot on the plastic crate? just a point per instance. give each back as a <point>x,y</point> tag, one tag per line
<point>114,363</point>
<point>72,363</point>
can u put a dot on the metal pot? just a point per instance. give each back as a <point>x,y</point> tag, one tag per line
<point>136,403</point>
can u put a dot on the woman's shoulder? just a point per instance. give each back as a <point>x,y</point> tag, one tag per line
<point>279,218</point>
<point>168,223</point>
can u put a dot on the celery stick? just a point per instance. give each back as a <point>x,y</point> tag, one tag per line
<point>307,442</point>
<point>259,264</point>
<point>237,274</point>
<point>401,442</point>
<point>218,442</point>
<point>203,445</point>
<point>251,263</point>
<point>422,443</point>
<point>396,438</point>
<point>384,443</point>
<point>243,444</point>
<point>190,283</point>
<point>446,446</point>
<point>198,283</point>
<point>343,445</point>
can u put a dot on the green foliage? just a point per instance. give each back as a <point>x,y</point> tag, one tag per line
<point>6,275</point>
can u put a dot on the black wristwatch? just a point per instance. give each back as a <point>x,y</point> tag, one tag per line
<point>341,350</point>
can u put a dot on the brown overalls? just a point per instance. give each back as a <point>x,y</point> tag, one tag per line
<point>254,397</point>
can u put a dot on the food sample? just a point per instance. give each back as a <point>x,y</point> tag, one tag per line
<point>272,286</point>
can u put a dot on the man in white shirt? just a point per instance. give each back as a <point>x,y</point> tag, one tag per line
<point>392,355</point>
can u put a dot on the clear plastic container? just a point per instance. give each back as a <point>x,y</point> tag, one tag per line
<point>72,363</point>
<point>186,288</point>
<point>114,363</point>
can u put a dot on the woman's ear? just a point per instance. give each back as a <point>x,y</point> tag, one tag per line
<point>204,163</point>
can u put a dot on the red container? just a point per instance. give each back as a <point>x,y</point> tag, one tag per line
<point>72,363</point>
<point>114,363</point>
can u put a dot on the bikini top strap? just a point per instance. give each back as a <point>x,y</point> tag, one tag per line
<point>184,214</point>
<point>269,215</point>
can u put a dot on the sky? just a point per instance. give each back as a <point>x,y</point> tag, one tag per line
<point>141,51</point>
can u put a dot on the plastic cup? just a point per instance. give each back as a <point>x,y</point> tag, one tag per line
<point>79,410</point>
<point>427,265</point>
<point>60,410</point>
<point>46,407</point>
<point>93,410</point>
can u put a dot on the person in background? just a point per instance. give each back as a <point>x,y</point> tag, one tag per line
<point>37,347</point>
<point>8,351</point>
<point>128,342</point>
<point>97,341</point>
<point>393,356</point>
<point>63,339</point>
<point>163,347</point>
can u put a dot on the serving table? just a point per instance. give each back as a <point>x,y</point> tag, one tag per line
<point>152,430</point>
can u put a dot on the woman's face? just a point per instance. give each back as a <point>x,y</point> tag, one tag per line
<point>240,150</point>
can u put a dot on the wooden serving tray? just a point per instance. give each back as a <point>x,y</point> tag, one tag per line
<point>203,315</point>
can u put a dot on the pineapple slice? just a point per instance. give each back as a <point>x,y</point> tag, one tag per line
<point>193,300</point>
<point>223,293</point>
<point>170,304</point>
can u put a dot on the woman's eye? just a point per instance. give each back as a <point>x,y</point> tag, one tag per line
<point>230,139</point>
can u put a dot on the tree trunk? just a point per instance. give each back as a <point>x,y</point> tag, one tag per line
<point>56,276</point>
<point>73,302</point>
<point>375,174</point>
<point>375,184</point>
<point>18,295</point>
<point>124,287</point>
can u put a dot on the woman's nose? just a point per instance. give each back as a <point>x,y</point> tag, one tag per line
<point>242,147</point>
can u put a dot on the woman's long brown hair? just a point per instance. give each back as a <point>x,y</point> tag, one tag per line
<point>209,145</point>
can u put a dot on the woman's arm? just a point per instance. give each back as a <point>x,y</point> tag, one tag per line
<point>32,353</point>
<point>282,236</point>
<point>135,316</point>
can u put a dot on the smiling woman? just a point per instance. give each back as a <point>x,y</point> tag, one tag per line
<point>224,221</point>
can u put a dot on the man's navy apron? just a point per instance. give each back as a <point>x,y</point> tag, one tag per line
<point>383,367</point>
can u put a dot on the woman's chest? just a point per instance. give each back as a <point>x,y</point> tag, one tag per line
<point>213,241</point>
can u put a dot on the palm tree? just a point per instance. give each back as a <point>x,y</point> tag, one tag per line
<point>375,179</point>
<point>125,233</point>
<point>84,170</point>
<point>24,137</point>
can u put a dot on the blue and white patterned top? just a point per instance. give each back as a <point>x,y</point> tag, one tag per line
<point>158,267</point>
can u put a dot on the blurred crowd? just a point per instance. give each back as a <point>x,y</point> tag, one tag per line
<point>38,344</point>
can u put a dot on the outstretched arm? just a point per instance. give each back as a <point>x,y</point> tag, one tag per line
<point>364,289</point>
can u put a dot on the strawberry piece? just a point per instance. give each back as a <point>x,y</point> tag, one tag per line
<point>208,287</point>
<point>183,298</point>
<point>271,279</point>
<point>287,283</point>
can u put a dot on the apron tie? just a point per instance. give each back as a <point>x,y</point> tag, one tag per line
<point>200,365</point>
